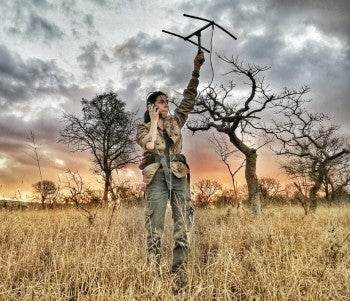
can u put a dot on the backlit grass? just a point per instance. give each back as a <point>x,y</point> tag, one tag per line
<point>56,255</point>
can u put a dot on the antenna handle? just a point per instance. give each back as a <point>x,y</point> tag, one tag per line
<point>199,45</point>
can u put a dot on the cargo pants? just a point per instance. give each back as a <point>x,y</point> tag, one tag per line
<point>163,187</point>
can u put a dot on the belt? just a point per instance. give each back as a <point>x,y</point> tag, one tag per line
<point>163,160</point>
<point>154,158</point>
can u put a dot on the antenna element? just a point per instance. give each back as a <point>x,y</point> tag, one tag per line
<point>199,31</point>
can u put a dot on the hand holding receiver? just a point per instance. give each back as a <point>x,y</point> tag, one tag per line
<point>154,116</point>
<point>153,113</point>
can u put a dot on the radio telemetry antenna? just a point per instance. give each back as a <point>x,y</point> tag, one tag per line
<point>198,32</point>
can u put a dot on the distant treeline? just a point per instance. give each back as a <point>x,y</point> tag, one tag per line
<point>11,204</point>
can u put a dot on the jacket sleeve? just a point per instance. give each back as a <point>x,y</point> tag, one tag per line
<point>142,135</point>
<point>187,103</point>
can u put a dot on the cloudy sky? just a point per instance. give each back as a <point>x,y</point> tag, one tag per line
<point>53,53</point>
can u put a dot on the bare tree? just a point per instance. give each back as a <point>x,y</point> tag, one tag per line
<point>337,181</point>
<point>35,148</point>
<point>312,146</point>
<point>224,151</point>
<point>107,130</point>
<point>81,196</point>
<point>269,187</point>
<point>206,190</point>
<point>218,109</point>
<point>47,190</point>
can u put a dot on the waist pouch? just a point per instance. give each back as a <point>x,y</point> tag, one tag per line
<point>154,158</point>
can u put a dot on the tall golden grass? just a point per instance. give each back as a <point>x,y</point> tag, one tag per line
<point>285,255</point>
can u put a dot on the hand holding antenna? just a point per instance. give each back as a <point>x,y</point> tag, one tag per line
<point>199,60</point>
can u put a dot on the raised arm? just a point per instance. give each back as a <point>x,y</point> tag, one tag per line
<point>190,93</point>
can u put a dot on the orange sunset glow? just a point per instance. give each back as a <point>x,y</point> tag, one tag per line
<point>204,163</point>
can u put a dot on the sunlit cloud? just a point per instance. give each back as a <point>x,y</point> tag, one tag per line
<point>259,32</point>
<point>59,162</point>
<point>299,38</point>
<point>3,163</point>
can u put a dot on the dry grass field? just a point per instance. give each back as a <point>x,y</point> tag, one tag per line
<point>56,255</point>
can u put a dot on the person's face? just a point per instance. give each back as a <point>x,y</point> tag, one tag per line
<point>162,104</point>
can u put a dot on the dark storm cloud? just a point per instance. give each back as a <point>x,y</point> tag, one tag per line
<point>15,142</point>
<point>265,29</point>
<point>42,3</point>
<point>21,81</point>
<point>16,147</point>
<point>14,17</point>
<point>89,20</point>
<point>88,59</point>
<point>152,63</point>
<point>26,19</point>
<point>45,124</point>
<point>112,4</point>
<point>157,60</point>
<point>41,27</point>
<point>277,19</point>
<point>130,95</point>
<point>24,81</point>
<point>20,157</point>
<point>99,2</point>
<point>69,7</point>
<point>235,15</point>
<point>330,16</point>
<point>137,47</point>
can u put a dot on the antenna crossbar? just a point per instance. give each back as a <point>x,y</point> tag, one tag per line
<point>177,35</point>
<point>199,31</point>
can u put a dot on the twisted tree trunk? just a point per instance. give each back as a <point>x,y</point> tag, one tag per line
<point>252,182</point>
<point>250,174</point>
<point>107,186</point>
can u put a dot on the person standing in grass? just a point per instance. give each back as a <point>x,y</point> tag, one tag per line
<point>166,173</point>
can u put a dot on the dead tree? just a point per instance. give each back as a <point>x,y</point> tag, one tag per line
<point>206,190</point>
<point>238,117</point>
<point>336,184</point>
<point>34,146</point>
<point>223,150</point>
<point>312,146</point>
<point>270,188</point>
<point>48,191</point>
<point>80,196</point>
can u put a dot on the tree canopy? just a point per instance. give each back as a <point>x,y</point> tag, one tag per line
<point>107,130</point>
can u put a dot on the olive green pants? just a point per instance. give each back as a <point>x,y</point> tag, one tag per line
<point>163,187</point>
